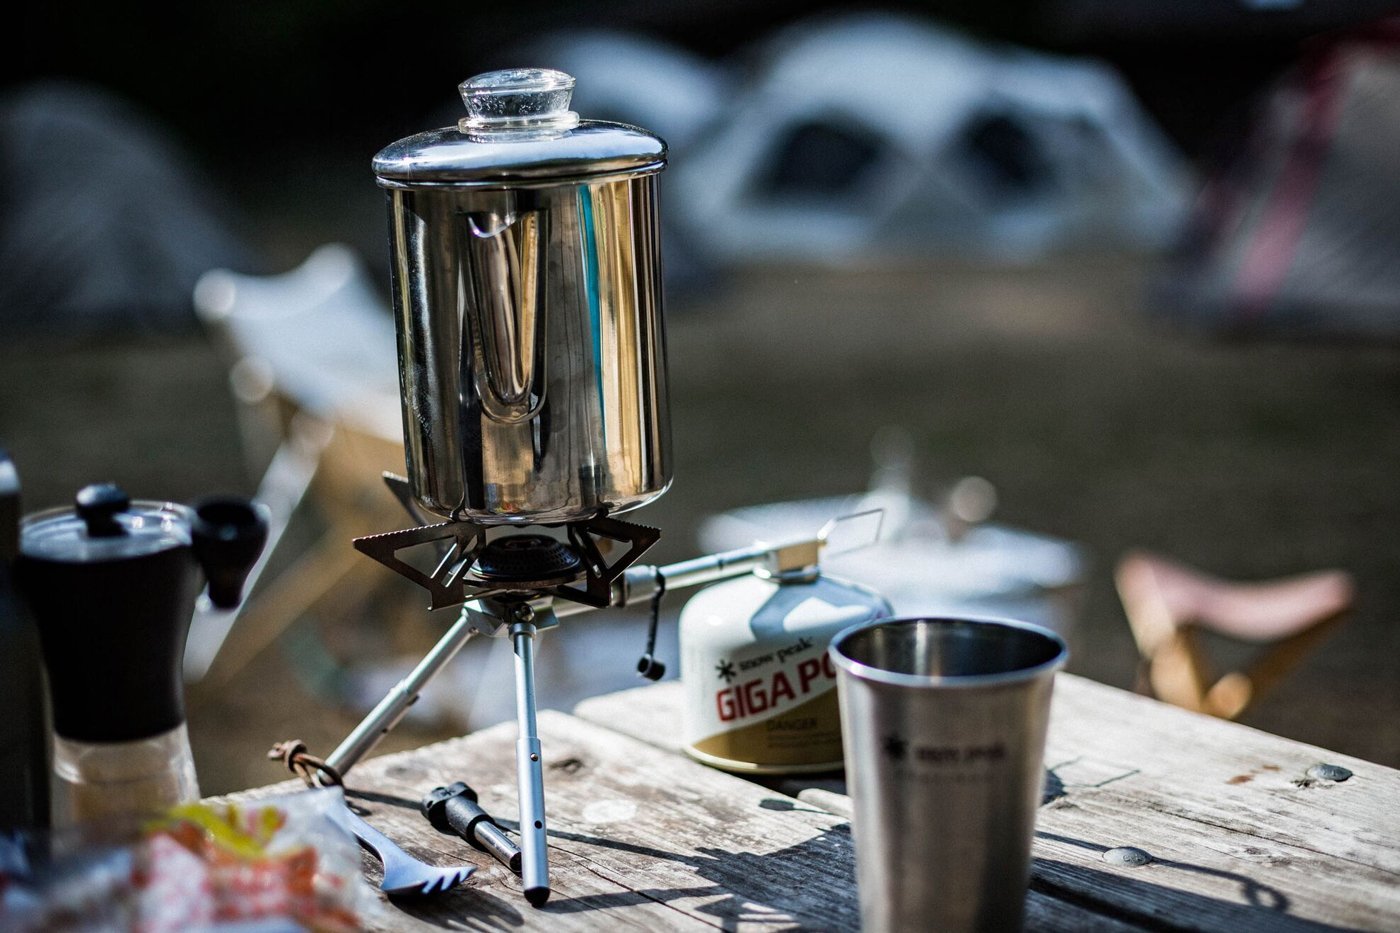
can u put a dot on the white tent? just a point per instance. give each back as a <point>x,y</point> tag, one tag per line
<point>877,134</point>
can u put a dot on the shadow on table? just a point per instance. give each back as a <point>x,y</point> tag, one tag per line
<point>467,908</point>
<point>812,883</point>
<point>781,887</point>
<point>784,887</point>
<point>1137,900</point>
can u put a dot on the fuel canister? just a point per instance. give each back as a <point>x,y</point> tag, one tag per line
<point>759,686</point>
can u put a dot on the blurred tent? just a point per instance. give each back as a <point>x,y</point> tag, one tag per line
<point>677,95</point>
<point>1297,231</point>
<point>106,225</point>
<point>635,79</point>
<point>877,134</point>
<point>861,135</point>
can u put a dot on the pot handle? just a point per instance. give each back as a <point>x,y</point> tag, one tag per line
<point>504,307</point>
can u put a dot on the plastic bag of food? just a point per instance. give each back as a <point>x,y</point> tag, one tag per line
<point>279,863</point>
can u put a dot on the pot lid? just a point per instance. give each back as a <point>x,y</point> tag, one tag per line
<point>518,129</point>
<point>104,525</point>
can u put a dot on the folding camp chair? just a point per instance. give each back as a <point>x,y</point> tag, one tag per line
<point>314,371</point>
<point>1169,605</point>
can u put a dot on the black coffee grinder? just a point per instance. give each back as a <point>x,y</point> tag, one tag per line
<point>111,585</point>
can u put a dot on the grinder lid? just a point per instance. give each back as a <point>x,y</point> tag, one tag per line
<point>519,130</point>
<point>111,585</point>
<point>104,525</point>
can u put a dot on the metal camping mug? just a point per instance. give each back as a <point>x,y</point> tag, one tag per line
<point>944,723</point>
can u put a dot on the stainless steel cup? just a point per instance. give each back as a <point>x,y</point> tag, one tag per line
<point>944,724</point>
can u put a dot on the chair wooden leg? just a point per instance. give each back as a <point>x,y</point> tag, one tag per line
<point>1179,671</point>
<point>1229,696</point>
<point>1168,605</point>
<point>1234,693</point>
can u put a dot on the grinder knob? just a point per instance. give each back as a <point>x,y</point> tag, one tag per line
<point>98,506</point>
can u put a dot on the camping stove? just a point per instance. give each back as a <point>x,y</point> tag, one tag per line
<point>518,583</point>
<point>532,369</point>
<point>509,584</point>
<point>581,568</point>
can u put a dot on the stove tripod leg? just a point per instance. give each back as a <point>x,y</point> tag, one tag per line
<point>529,770</point>
<point>396,702</point>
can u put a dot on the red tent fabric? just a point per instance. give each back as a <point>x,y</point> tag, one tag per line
<point>1300,233</point>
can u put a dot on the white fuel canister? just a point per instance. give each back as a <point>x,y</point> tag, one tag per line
<point>760,689</point>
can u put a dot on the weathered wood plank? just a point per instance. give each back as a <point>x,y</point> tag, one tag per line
<point>1226,811</point>
<point>636,842</point>
<point>1241,838</point>
<point>640,839</point>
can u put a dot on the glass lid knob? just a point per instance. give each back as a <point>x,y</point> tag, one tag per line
<point>516,100</point>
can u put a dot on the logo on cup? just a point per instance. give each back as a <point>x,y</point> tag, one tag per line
<point>726,671</point>
<point>898,749</point>
<point>895,747</point>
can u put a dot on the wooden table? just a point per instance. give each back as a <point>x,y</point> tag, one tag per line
<point>641,837</point>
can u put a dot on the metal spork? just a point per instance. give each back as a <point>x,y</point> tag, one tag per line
<point>403,874</point>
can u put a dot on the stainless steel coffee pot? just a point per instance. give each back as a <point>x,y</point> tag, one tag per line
<point>527,294</point>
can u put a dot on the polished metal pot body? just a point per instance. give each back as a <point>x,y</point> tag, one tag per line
<point>532,358</point>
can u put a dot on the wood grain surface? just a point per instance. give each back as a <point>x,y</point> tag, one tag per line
<point>1240,836</point>
<point>640,839</point>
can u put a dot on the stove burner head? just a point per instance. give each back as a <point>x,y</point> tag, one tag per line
<point>528,561</point>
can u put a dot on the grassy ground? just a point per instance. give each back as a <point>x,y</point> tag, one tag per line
<point>1250,460</point>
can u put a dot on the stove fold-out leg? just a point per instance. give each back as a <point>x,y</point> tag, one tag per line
<point>529,769</point>
<point>396,702</point>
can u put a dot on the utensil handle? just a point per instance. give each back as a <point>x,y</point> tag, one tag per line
<point>381,845</point>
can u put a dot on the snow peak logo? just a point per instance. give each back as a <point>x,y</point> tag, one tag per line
<point>898,749</point>
<point>726,669</point>
<point>895,747</point>
<point>759,691</point>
